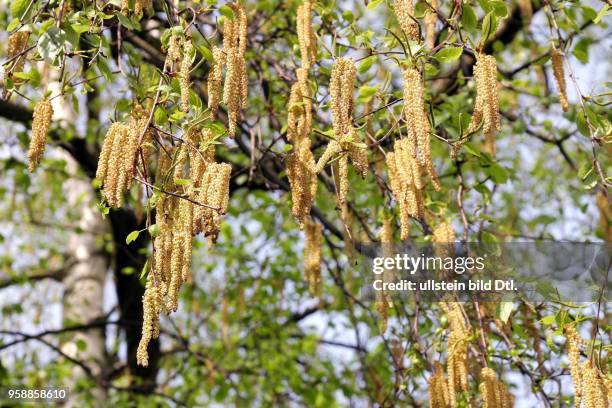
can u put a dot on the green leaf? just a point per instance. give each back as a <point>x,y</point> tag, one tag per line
<point>81,345</point>
<point>489,25</point>
<point>548,320</point>
<point>18,7</point>
<point>498,173</point>
<point>469,20</point>
<point>499,8</point>
<point>206,53</point>
<point>13,24</point>
<point>471,150</point>
<point>374,4</point>
<point>132,236</point>
<point>449,54</point>
<point>153,230</point>
<point>227,12</point>
<point>366,64</point>
<point>182,182</point>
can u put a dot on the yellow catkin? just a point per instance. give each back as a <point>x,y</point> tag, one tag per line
<point>306,36</point>
<point>41,121</point>
<point>150,322</point>
<point>173,54</point>
<point>559,74</point>
<point>573,344</point>
<point>486,107</point>
<point>17,44</point>
<point>494,393</point>
<point>605,216</point>
<point>404,12</point>
<point>141,6</point>
<point>214,193</point>
<point>457,346</point>
<point>215,80</point>
<point>236,80</point>
<point>443,233</point>
<point>383,301</point>
<point>418,125</point>
<point>438,388</point>
<point>593,387</point>
<point>184,74</point>
<point>302,179</point>
<point>430,24</point>
<point>312,256</point>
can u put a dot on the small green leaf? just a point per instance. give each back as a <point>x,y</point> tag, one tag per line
<point>132,236</point>
<point>227,12</point>
<point>153,230</point>
<point>449,54</point>
<point>81,345</point>
<point>548,320</point>
<point>374,4</point>
<point>18,7</point>
<point>366,64</point>
<point>469,20</point>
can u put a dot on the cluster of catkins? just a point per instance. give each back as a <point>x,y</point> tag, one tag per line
<point>411,157</point>
<point>457,346</point>
<point>346,144</point>
<point>235,91</point>
<point>494,392</point>
<point>591,388</point>
<point>300,162</point>
<point>41,121</point>
<point>191,209</point>
<point>559,73</point>
<point>118,156</point>
<point>180,53</point>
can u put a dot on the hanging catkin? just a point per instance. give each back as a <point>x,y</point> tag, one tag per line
<point>559,73</point>
<point>150,322</point>
<point>17,44</point>
<point>418,125</point>
<point>438,388</point>
<point>383,301</point>
<point>236,81</point>
<point>573,344</point>
<point>184,73</point>
<point>41,121</point>
<point>443,233</point>
<point>430,24</point>
<point>215,80</point>
<point>494,392</point>
<point>302,179</point>
<point>346,142</point>
<point>312,256</point>
<point>457,346</point>
<point>486,107</point>
<point>173,54</point>
<point>404,12</point>
<point>306,36</point>
<point>595,392</point>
